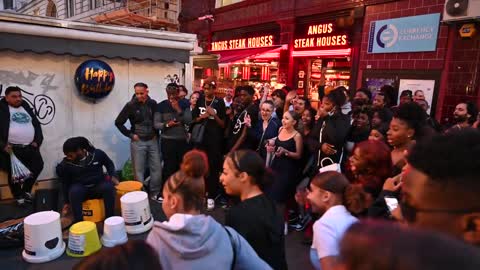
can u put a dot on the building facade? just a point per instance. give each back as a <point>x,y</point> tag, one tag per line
<point>45,56</point>
<point>152,14</point>
<point>296,43</point>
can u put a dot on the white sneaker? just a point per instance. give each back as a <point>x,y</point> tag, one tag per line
<point>21,202</point>
<point>157,198</point>
<point>210,204</point>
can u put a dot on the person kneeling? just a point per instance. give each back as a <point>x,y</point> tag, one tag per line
<point>81,173</point>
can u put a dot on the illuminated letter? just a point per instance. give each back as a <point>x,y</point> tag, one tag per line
<point>330,25</point>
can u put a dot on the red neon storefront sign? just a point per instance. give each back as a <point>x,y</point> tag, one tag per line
<point>243,43</point>
<point>321,36</point>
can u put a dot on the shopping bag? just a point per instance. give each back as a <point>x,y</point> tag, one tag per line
<point>19,171</point>
<point>127,171</point>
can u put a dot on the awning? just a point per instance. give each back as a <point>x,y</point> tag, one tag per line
<point>61,46</point>
<point>206,61</point>
<point>337,52</point>
<point>238,55</point>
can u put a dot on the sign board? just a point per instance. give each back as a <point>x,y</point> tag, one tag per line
<point>243,43</point>
<point>407,34</point>
<point>418,87</point>
<point>319,36</point>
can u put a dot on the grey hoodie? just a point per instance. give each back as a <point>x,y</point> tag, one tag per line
<point>199,242</point>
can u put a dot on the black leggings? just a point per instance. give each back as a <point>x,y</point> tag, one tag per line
<point>172,154</point>
<point>215,164</point>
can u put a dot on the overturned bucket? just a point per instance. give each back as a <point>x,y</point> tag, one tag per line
<point>125,187</point>
<point>136,212</point>
<point>83,239</point>
<point>43,237</point>
<point>114,232</point>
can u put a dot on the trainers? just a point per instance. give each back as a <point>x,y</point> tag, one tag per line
<point>301,224</point>
<point>157,198</point>
<point>21,202</point>
<point>210,204</point>
<point>293,216</point>
<point>28,197</point>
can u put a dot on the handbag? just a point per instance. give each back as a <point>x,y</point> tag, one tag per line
<point>332,167</point>
<point>198,132</point>
<point>335,167</point>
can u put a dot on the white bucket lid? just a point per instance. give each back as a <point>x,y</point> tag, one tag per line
<point>134,197</point>
<point>41,218</point>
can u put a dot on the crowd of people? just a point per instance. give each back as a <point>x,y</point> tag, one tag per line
<point>277,164</point>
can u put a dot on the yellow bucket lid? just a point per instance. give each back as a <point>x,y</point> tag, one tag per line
<point>129,186</point>
<point>82,227</point>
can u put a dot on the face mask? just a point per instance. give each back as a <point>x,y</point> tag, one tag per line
<point>332,112</point>
<point>81,158</point>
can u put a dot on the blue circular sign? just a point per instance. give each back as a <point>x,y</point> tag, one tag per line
<point>94,79</point>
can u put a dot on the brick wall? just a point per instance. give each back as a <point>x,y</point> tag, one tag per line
<point>419,60</point>
<point>464,63</point>
<point>458,69</point>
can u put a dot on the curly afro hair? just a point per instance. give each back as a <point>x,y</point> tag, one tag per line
<point>415,117</point>
<point>452,157</point>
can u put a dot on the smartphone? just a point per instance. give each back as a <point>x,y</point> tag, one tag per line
<point>392,203</point>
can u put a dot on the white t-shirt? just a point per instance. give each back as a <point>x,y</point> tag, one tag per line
<point>21,129</point>
<point>328,231</point>
<point>227,103</point>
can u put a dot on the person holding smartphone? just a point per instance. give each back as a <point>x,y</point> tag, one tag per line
<point>170,119</point>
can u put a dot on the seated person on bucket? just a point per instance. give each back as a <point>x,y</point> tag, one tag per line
<point>81,173</point>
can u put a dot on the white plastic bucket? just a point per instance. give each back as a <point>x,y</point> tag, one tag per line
<point>43,237</point>
<point>136,212</point>
<point>114,232</point>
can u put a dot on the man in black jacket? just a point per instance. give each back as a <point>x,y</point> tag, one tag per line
<point>170,119</point>
<point>81,174</point>
<point>20,133</point>
<point>144,141</point>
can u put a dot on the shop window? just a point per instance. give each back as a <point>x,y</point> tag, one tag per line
<point>70,8</point>
<point>8,4</point>
<point>51,10</point>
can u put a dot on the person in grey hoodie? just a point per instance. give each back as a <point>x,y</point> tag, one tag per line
<point>191,240</point>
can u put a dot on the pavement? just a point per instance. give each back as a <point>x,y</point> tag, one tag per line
<point>297,253</point>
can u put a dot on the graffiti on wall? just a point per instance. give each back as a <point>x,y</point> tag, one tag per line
<point>42,104</point>
<point>172,79</point>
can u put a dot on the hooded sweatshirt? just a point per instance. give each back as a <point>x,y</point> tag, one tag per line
<point>199,242</point>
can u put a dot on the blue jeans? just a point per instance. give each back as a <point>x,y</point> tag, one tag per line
<point>314,259</point>
<point>143,152</point>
